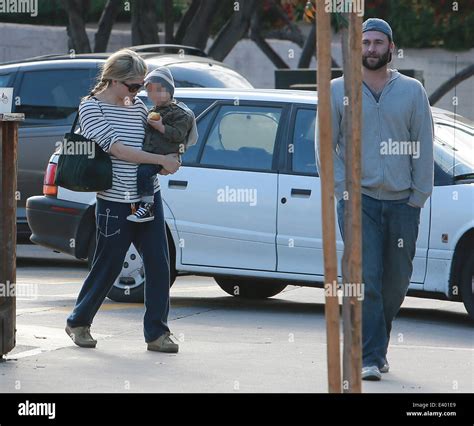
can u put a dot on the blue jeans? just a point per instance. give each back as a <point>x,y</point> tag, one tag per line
<point>145,178</point>
<point>389,233</point>
<point>114,235</point>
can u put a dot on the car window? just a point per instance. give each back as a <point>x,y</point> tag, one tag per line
<point>454,149</point>
<point>201,74</point>
<point>242,137</point>
<point>190,156</point>
<point>195,105</point>
<point>51,97</point>
<point>303,158</point>
<point>5,79</point>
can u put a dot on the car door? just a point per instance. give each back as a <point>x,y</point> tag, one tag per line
<point>299,237</point>
<point>49,98</point>
<point>299,226</point>
<point>224,197</point>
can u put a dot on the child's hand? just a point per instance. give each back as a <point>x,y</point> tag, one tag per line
<point>157,125</point>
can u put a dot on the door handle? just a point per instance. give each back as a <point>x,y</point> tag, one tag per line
<point>178,184</point>
<point>301,192</point>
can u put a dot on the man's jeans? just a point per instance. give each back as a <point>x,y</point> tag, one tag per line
<point>389,233</point>
<point>114,235</point>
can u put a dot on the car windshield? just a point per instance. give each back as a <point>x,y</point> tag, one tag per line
<point>199,74</point>
<point>454,146</point>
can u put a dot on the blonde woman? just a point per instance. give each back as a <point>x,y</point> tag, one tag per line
<point>115,118</point>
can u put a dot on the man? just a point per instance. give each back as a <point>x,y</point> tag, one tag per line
<point>397,178</point>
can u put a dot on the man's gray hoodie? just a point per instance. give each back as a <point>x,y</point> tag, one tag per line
<point>397,141</point>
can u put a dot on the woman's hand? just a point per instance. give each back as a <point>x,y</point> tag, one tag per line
<point>171,163</point>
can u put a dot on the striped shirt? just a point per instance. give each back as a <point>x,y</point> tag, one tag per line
<point>106,124</point>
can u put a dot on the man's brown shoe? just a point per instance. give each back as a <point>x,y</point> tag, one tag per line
<point>81,336</point>
<point>163,344</point>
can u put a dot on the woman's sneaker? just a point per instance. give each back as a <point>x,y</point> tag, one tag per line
<point>81,336</point>
<point>144,213</point>
<point>164,344</point>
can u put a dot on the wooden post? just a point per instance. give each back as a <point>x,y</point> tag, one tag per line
<point>323,42</point>
<point>8,177</point>
<point>352,258</point>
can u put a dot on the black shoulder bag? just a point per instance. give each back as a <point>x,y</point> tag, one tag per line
<point>83,165</point>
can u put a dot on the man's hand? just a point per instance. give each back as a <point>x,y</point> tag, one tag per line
<point>164,172</point>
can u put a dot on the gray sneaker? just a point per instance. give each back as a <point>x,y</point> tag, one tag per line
<point>81,336</point>
<point>385,367</point>
<point>371,373</point>
<point>163,344</point>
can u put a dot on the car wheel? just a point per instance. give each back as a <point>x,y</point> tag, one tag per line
<point>129,286</point>
<point>467,284</point>
<point>249,289</point>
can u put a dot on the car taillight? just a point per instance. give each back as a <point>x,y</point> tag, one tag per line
<point>49,188</point>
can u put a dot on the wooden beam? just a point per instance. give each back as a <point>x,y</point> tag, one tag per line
<point>352,257</point>
<point>323,42</point>
<point>8,184</point>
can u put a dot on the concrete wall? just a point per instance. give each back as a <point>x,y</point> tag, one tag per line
<point>23,41</point>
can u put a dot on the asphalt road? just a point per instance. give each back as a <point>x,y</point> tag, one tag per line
<point>226,344</point>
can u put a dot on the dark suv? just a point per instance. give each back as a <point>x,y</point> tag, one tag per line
<point>48,89</point>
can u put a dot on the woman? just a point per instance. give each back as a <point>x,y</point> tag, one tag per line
<point>115,118</point>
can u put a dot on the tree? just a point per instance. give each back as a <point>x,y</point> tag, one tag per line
<point>233,30</point>
<point>76,29</point>
<point>144,22</point>
<point>451,83</point>
<point>106,22</point>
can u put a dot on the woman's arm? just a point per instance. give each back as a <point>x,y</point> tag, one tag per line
<point>170,162</point>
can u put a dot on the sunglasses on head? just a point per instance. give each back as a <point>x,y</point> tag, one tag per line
<point>135,87</point>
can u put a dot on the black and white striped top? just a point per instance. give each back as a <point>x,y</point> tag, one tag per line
<point>106,124</point>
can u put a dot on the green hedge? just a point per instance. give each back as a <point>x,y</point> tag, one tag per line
<point>427,23</point>
<point>51,12</point>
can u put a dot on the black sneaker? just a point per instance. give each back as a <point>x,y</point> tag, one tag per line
<point>144,213</point>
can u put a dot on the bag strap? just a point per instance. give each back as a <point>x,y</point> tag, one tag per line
<point>74,124</point>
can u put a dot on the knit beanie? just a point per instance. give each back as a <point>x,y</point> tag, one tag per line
<point>163,76</point>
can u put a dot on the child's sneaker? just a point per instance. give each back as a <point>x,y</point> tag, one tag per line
<point>144,213</point>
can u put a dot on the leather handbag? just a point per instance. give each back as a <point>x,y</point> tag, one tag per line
<point>83,165</point>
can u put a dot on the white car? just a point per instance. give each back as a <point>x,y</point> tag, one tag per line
<point>245,206</point>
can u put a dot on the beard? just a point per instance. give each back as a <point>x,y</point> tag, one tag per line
<point>383,60</point>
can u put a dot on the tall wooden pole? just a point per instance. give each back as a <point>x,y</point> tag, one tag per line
<point>8,173</point>
<point>323,43</point>
<point>352,258</point>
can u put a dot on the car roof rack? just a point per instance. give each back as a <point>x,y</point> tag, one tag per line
<point>170,48</point>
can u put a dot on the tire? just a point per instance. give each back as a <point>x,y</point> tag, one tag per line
<point>467,284</point>
<point>250,288</point>
<point>129,287</point>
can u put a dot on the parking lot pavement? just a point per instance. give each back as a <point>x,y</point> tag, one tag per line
<point>226,344</point>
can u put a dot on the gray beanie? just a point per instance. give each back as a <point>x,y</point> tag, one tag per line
<point>163,76</point>
<point>376,24</point>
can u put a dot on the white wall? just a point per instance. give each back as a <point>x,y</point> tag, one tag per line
<point>23,41</point>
